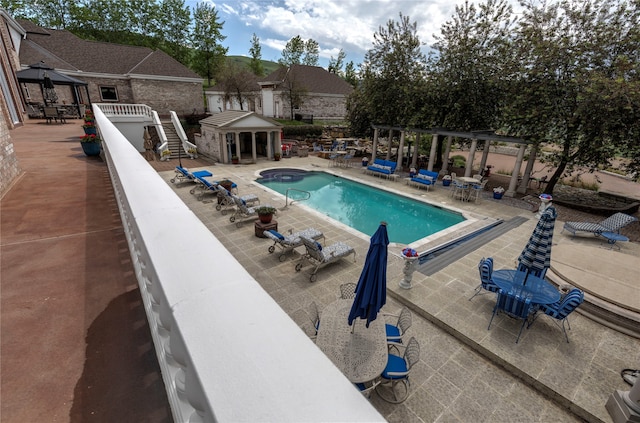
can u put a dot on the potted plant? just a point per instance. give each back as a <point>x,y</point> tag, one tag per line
<point>446,180</point>
<point>498,192</point>
<point>277,156</point>
<point>90,144</point>
<point>89,128</point>
<point>235,159</point>
<point>265,213</point>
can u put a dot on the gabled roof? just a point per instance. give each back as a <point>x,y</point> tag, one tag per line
<point>63,50</point>
<point>239,118</point>
<point>314,79</point>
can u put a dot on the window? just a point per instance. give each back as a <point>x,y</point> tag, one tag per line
<point>108,93</point>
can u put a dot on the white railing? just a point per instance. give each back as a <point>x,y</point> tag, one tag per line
<point>120,109</point>
<point>188,147</point>
<point>226,350</point>
<point>163,149</point>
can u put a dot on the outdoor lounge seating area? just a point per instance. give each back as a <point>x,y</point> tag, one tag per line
<point>424,178</point>
<point>381,167</point>
<point>287,243</point>
<point>612,223</point>
<point>320,256</point>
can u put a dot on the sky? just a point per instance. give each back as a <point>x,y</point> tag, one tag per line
<point>334,24</point>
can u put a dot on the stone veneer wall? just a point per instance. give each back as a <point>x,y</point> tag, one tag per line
<point>321,106</point>
<point>165,96</point>
<point>9,166</point>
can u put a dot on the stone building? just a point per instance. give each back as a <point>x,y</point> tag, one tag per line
<point>114,73</point>
<point>313,91</point>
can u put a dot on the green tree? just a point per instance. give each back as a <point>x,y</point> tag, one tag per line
<point>209,54</point>
<point>172,28</point>
<point>255,51</point>
<point>576,83</point>
<point>392,71</point>
<point>311,53</point>
<point>335,65</point>
<point>350,74</point>
<point>292,52</point>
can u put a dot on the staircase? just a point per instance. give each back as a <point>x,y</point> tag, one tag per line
<point>173,139</point>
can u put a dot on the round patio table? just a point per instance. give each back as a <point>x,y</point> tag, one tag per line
<point>518,283</point>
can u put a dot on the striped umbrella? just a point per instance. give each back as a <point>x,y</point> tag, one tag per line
<point>536,257</point>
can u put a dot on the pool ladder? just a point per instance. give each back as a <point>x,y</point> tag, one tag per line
<point>286,203</point>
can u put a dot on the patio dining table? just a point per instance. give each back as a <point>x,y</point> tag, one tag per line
<point>359,352</point>
<point>518,283</point>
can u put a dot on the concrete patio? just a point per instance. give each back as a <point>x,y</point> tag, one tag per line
<point>75,345</point>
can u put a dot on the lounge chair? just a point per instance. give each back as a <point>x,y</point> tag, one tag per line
<point>612,223</point>
<point>204,186</point>
<point>288,242</point>
<point>183,175</point>
<point>243,210</point>
<point>321,256</point>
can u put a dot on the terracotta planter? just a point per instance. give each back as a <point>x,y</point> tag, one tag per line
<point>265,218</point>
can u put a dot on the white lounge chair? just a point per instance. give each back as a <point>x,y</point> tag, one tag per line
<point>288,242</point>
<point>612,223</point>
<point>321,256</point>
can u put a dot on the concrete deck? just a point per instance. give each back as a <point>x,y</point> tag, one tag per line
<point>75,345</point>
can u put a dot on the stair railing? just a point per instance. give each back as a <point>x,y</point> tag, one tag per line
<point>163,149</point>
<point>189,148</point>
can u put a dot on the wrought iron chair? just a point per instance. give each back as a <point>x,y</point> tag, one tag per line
<point>513,305</point>
<point>561,310</point>
<point>348,291</point>
<point>394,380</point>
<point>397,331</point>
<point>485,267</point>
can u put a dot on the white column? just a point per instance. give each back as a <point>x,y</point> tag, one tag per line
<point>254,152</point>
<point>374,146</point>
<point>389,143</point>
<point>472,154</point>
<point>432,152</point>
<point>485,154</point>
<point>445,159</point>
<point>400,155</point>
<point>516,170</point>
<point>414,158</point>
<point>522,189</point>
<point>237,138</point>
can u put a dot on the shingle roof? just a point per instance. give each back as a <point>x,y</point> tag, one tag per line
<point>63,50</point>
<point>313,78</point>
<point>228,117</point>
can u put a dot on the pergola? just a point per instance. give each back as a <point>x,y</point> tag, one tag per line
<point>474,136</point>
<point>37,73</point>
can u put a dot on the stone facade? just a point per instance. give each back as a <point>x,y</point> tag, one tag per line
<point>9,166</point>
<point>164,96</point>
<point>320,106</point>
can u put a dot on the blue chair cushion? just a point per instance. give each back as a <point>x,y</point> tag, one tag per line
<point>392,331</point>
<point>318,246</point>
<point>202,173</point>
<point>395,364</point>
<point>276,234</point>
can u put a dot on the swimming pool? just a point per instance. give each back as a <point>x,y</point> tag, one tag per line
<point>361,206</point>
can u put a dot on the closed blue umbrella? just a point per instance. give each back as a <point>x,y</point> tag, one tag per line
<point>371,291</point>
<point>536,256</point>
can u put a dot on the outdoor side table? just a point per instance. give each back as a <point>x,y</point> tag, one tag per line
<point>612,238</point>
<point>261,227</point>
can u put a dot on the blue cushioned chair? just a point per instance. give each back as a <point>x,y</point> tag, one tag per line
<point>394,380</point>
<point>397,331</point>
<point>485,268</point>
<point>561,310</point>
<point>513,305</point>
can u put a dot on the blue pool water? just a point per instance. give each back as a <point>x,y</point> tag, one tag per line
<point>360,206</point>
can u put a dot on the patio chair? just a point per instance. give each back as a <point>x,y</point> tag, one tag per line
<point>202,187</point>
<point>348,291</point>
<point>394,380</point>
<point>183,175</point>
<point>320,256</point>
<point>366,388</point>
<point>460,189</point>
<point>612,223</point>
<point>485,267</point>
<point>396,331</point>
<point>476,190</point>
<point>561,310</point>
<point>513,305</point>
<point>288,242</point>
<point>242,212</point>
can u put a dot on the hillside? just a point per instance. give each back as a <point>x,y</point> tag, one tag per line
<point>269,66</point>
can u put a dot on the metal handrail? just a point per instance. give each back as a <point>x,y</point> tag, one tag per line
<point>286,202</point>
